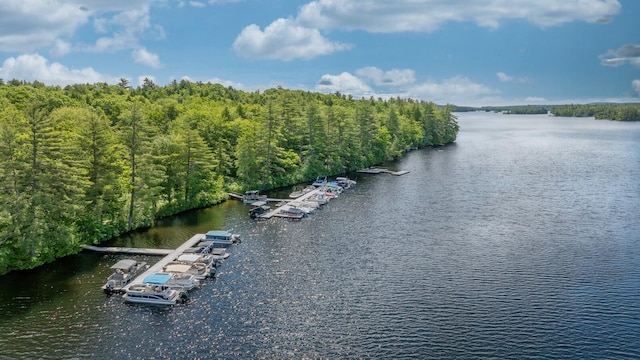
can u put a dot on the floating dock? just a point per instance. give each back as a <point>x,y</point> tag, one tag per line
<point>277,211</point>
<point>239,197</point>
<point>157,267</point>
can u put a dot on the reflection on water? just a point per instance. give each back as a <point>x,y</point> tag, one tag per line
<point>521,240</point>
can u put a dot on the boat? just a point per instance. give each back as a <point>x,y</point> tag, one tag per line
<point>207,259</point>
<point>176,281</point>
<point>320,181</point>
<point>260,207</point>
<point>291,213</point>
<point>345,182</point>
<point>156,294</point>
<point>253,196</point>
<point>219,254</point>
<point>222,238</point>
<point>197,269</point>
<point>124,272</point>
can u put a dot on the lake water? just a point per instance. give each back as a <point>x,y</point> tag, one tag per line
<point>521,240</point>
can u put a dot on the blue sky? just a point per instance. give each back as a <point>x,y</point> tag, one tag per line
<point>464,52</point>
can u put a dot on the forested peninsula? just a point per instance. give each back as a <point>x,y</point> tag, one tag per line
<point>85,163</point>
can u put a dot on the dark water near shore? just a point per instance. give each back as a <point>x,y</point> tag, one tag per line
<point>522,240</point>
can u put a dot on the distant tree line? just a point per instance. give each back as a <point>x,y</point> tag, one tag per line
<point>85,163</point>
<point>617,112</point>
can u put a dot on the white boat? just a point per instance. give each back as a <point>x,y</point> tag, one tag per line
<point>176,281</point>
<point>156,294</point>
<point>219,254</point>
<point>207,259</point>
<point>222,238</point>
<point>291,213</point>
<point>253,196</point>
<point>124,272</point>
<point>197,269</point>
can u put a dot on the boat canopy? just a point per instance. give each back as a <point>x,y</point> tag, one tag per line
<point>189,257</point>
<point>218,234</point>
<point>177,268</point>
<point>158,279</point>
<point>259,203</point>
<point>125,264</point>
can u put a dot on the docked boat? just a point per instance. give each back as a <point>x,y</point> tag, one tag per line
<point>156,294</point>
<point>222,238</point>
<point>176,281</point>
<point>345,182</point>
<point>219,254</point>
<point>209,260</point>
<point>197,269</point>
<point>253,196</point>
<point>292,213</point>
<point>320,181</point>
<point>124,271</point>
<point>260,207</point>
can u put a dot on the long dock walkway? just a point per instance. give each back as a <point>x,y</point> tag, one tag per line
<point>126,250</point>
<point>277,210</point>
<point>157,267</point>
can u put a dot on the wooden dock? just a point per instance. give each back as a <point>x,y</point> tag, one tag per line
<point>277,211</point>
<point>239,197</point>
<point>126,250</point>
<point>157,267</point>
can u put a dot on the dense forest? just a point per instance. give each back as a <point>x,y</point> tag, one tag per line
<point>85,163</point>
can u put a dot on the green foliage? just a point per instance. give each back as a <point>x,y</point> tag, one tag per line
<point>89,162</point>
<point>618,112</point>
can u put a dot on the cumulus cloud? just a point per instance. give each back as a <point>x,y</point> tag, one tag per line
<point>626,53</point>
<point>503,77</point>
<point>32,67</point>
<point>197,4</point>
<point>393,77</point>
<point>146,58</point>
<point>535,99</point>
<point>26,26</point>
<point>345,83</point>
<point>636,86</point>
<point>284,40</point>
<point>429,15</point>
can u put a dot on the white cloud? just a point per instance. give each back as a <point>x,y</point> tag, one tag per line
<point>636,86</point>
<point>32,67</point>
<point>456,90</point>
<point>26,26</point>
<point>284,40</point>
<point>345,83</point>
<point>60,48</point>
<point>626,53</point>
<point>503,77</point>
<point>535,99</point>
<point>393,77</point>
<point>146,58</point>
<point>429,15</point>
<point>197,4</point>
